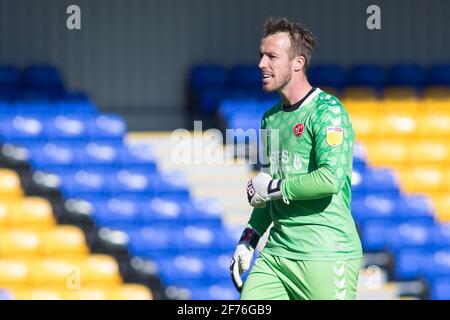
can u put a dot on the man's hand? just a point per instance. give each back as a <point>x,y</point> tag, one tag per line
<point>263,188</point>
<point>243,256</point>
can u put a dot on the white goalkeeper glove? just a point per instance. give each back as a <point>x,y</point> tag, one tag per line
<point>243,256</point>
<point>263,188</point>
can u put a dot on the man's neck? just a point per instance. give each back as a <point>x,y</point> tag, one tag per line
<point>295,91</point>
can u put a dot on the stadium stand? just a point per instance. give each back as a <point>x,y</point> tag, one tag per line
<point>84,215</point>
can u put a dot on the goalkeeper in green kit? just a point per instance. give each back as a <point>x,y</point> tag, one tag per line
<point>313,250</point>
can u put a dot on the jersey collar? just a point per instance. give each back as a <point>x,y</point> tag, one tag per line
<point>306,99</point>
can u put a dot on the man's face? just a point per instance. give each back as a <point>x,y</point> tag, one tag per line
<point>275,63</point>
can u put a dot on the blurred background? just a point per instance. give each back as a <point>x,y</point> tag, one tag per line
<point>94,203</point>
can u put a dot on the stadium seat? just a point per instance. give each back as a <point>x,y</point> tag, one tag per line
<point>14,273</point>
<point>402,93</point>
<point>9,78</point>
<point>422,179</point>
<point>410,264</point>
<point>435,125</point>
<point>373,206</point>
<point>375,234</point>
<point>417,207</point>
<point>43,78</point>
<point>412,234</point>
<point>437,92</point>
<point>10,186</point>
<point>360,93</point>
<point>440,288</point>
<point>37,294</point>
<point>129,292</point>
<point>363,107</point>
<point>17,243</point>
<point>63,240</point>
<point>31,211</point>
<point>426,152</point>
<point>208,76</point>
<point>406,75</point>
<point>442,206</point>
<point>372,76</point>
<point>247,77</point>
<point>399,124</point>
<point>327,76</point>
<point>53,272</point>
<point>438,75</point>
<point>388,153</point>
<point>98,269</point>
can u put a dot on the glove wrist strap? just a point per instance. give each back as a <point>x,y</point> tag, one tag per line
<point>274,189</point>
<point>251,236</point>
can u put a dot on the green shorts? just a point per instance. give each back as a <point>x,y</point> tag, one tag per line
<point>278,278</point>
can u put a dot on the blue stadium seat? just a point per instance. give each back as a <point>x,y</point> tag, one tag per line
<point>327,76</point>
<point>76,107</point>
<point>155,243</point>
<point>440,288</point>
<point>381,180</point>
<point>116,213</point>
<point>367,75</point>
<point>375,234</point>
<point>198,239</point>
<point>102,153</point>
<point>48,155</point>
<point>44,78</point>
<point>68,128</point>
<point>9,78</point>
<point>412,234</point>
<point>373,206</point>
<point>86,182</point>
<point>202,211</point>
<point>208,76</point>
<point>220,291</point>
<point>410,264</point>
<point>107,126</point>
<point>442,235</point>
<point>406,75</point>
<point>19,128</point>
<point>439,264</point>
<point>138,157</point>
<point>439,75</point>
<point>160,210</point>
<point>135,182</point>
<point>208,99</point>
<point>246,77</point>
<point>415,206</point>
<point>182,268</point>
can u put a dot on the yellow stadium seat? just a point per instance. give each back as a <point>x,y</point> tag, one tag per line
<point>405,107</point>
<point>442,206</point>
<point>387,153</point>
<point>19,243</point>
<point>63,241</point>
<point>422,180</point>
<point>130,292</point>
<point>31,211</point>
<point>360,93</point>
<point>85,294</point>
<point>435,124</point>
<point>13,273</point>
<point>426,152</point>
<point>36,294</point>
<point>10,186</point>
<point>4,214</point>
<point>98,269</point>
<point>400,92</point>
<point>437,105</point>
<point>437,92</point>
<point>55,273</point>
<point>395,125</point>
<point>364,127</point>
<point>368,108</point>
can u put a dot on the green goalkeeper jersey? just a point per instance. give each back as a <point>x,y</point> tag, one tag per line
<point>310,146</point>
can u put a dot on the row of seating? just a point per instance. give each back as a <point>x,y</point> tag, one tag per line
<point>211,84</point>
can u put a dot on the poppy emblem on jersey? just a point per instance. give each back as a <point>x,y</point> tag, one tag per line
<point>298,129</point>
<point>335,135</point>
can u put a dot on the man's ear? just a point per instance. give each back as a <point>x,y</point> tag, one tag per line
<point>299,63</point>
